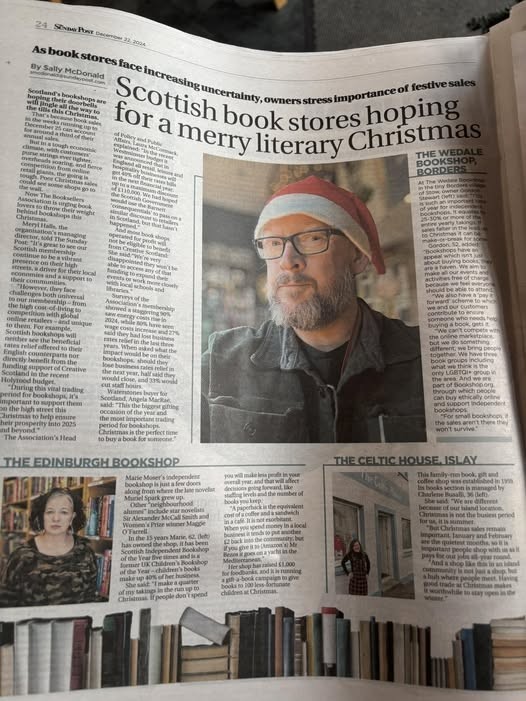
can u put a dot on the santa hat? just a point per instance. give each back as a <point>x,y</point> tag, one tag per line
<point>338,208</point>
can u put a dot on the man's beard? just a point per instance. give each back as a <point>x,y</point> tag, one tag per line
<point>320,310</point>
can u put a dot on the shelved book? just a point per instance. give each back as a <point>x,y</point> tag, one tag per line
<point>100,516</point>
<point>103,561</point>
<point>508,650</point>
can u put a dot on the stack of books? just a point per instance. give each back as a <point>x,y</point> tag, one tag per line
<point>508,643</point>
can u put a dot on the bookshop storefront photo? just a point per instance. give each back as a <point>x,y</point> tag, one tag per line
<point>372,521</point>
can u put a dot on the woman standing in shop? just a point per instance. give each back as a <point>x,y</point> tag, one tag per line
<point>357,565</point>
<point>56,566</point>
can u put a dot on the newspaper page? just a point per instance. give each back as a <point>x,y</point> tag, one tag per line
<point>258,432</point>
<point>506,57</point>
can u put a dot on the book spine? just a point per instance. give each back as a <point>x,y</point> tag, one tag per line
<point>134,660</point>
<point>328,623</point>
<point>144,646</point>
<point>390,650</point>
<point>288,646</point>
<point>79,654</point>
<point>246,644</point>
<point>166,645</point>
<point>343,647</point>
<point>365,650</point>
<point>382,652</point>
<point>261,642</point>
<point>271,661</point>
<point>317,645</point>
<point>278,641</point>
<point>175,653</point>
<point>483,656</point>
<point>298,646</point>
<point>459,664</point>
<point>233,622</point>
<point>468,658</point>
<point>375,651</point>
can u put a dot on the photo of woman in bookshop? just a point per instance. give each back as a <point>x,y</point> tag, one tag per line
<point>56,566</point>
<point>357,565</point>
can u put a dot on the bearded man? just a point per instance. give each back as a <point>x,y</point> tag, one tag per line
<point>326,368</point>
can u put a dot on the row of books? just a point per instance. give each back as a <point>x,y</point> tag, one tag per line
<point>15,518</point>
<point>39,655</point>
<point>100,515</point>
<point>18,489</point>
<point>103,573</point>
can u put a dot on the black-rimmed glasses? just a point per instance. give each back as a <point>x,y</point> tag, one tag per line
<point>306,243</point>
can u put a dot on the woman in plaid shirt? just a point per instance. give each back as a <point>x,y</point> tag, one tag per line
<point>357,565</point>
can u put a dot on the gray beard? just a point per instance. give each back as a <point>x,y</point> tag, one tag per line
<point>318,311</point>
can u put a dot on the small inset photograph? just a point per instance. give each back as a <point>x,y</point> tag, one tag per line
<point>56,540</point>
<point>309,309</point>
<point>373,552</point>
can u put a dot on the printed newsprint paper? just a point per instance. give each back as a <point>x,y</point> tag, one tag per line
<point>259,315</point>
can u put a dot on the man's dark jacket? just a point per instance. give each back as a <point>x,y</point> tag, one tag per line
<point>255,382</point>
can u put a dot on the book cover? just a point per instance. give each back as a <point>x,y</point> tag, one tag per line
<point>204,626</point>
